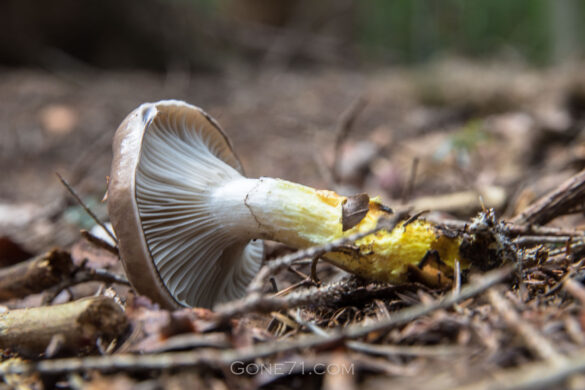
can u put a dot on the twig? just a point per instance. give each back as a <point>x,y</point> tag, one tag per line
<point>98,242</point>
<point>192,340</point>
<point>538,240</point>
<point>314,276</point>
<point>541,375</point>
<point>541,230</point>
<point>228,356</point>
<point>284,320</point>
<point>312,326</point>
<point>344,127</point>
<point>300,274</point>
<point>518,230</point>
<point>556,203</point>
<point>562,283</point>
<point>385,350</point>
<point>304,282</point>
<point>83,275</point>
<point>403,350</point>
<point>539,345</point>
<point>575,289</point>
<point>406,315</point>
<point>84,162</point>
<point>457,277</point>
<point>522,290</point>
<point>414,217</point>
<point>87,209</point>
<point>560,253</point>
<point>267,303</point>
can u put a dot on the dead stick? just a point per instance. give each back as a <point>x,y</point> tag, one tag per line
<point>557,202</point>
<point>517,230</point>
<point>229,356</point>
<point>575,289</point>
<point>406,315</point>
<point>405,350</point>
<point>541,375</point>
<point>79,324</point>
<point>84,206</point>
<point>539,345</point>
<point>98,242</point>
<point>526,241</point>
<point>83,275</point>
<point>256,302</point>
<point>35,275</point>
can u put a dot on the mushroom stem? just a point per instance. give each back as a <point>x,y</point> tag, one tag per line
<point>300,216</point>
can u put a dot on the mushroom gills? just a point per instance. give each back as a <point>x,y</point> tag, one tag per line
<point>200,260</point>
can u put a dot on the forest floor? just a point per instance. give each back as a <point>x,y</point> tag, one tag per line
<point>454,138</point>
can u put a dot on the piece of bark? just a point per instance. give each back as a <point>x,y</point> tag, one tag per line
<point>35,275</point>
<point>561,201</point>
<point>74,326</point>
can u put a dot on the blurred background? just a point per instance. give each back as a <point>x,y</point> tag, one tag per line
<point>430,103</point>
<point>160,35</point>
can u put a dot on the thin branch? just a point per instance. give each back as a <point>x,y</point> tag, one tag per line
<point>514,229</point>
<point>255,302</point>
<point>525,241</point>
<point>99,243</point>
<point>575,289</point>
<point>385,350</point>
<point>404,350</point>
<point>556,203</point>
<point>541,375</point>
<point>539,345</point>
<point>193,340</point>
<point>87,209</point>
<point>314,276</point>
<point>457,277</point>
<point>83,275</point>
<point>406,315</point>
<point>292,287</point>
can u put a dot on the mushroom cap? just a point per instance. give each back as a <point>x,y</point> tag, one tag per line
<point>168,158</point>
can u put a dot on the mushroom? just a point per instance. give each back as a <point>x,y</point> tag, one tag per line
<point>189,222</point>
